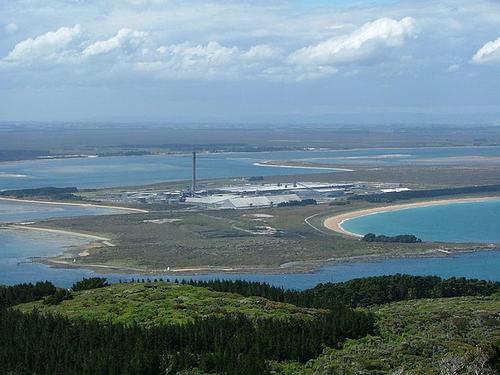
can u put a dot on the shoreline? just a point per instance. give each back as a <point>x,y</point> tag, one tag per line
<point>334,223</point>
<point>88,205</point>
<point>66,259</point>
<point>263,164</point>
<point>299,267</point>
<point>59,231</point>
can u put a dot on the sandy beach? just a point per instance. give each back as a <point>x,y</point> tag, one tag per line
<point>90,205</point>
<point>302,167</point>
<point>335,222</point>
<point>60,231</point>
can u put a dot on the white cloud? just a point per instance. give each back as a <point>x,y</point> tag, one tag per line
<point>134,50</point>
<point>125,39</point>
<point>45,46</point>
<point>207,61</point>
<point>261,52</point>
<point>186,54</point>
<point>11,28</point>
<point>359,45</point>
<point>298,73</point>
<point>488,54</point>
<point>453,68</point>
<point>238,39</point>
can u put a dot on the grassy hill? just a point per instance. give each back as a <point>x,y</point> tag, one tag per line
<point>153,304</point>
<point>419,337</point>
<point>459,335</point>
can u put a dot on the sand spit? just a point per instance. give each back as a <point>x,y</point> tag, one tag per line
<point>88,205</point>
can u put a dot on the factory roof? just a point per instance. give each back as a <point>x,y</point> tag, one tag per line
<point>236,201</point>
<point>282,187</point>
<point>260,201</point>
<point>395,190</point>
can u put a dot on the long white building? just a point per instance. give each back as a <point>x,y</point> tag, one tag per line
<point>236,201</point>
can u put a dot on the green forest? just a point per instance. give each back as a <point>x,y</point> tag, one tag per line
<point>220,327</point>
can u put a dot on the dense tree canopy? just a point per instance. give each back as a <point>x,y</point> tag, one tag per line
<point>430,193</point>
<point>44,344</point>
<point>90,283</point>
<point>402,238</point>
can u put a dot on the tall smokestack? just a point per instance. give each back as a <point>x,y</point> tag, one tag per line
<point>193,182</point>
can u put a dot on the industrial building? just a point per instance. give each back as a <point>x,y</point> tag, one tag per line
<point>254,193</point>
<point>233,201</point>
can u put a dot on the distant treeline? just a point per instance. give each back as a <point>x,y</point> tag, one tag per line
<point>65,193</point>
<point>89,283</point>
<point>360,292</point>
<point>303,202</point>
<point>28,292</point>
<point>402,238</point>
<point>390,197</point>
<point>125,153</point>
<point>213,147</point>
<point>21,293</point>
<point>366,291</point>
<point>385,289</point>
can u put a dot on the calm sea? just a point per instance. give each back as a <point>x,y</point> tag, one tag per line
<point>457,222</point>
<point>117,171</point>
<point>20,211</point>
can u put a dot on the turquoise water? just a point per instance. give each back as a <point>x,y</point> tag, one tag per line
<point>458,222</point>
<point>136,170</point>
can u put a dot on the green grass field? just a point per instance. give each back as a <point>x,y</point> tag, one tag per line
<point>161,303</point>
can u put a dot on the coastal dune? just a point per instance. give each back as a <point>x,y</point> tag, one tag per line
<point>334,223</point>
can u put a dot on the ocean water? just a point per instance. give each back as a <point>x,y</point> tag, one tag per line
<point>117,171</point>
<point>21,211</point>
<point>131,170</point>
<point>456,222</point>
<point>18,245</point>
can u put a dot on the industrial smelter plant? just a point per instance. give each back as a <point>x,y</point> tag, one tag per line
<point>253,193</point>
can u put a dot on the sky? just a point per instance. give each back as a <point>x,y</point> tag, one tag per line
<point>228,61</point>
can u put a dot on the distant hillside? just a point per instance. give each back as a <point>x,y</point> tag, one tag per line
<point>155,304</point>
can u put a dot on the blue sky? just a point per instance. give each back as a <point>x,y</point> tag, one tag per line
<point>250,61</point>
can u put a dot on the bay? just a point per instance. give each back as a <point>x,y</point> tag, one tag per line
<point>455,222</point>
